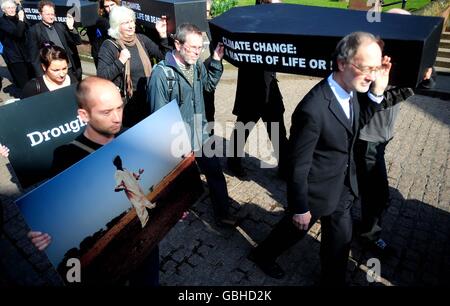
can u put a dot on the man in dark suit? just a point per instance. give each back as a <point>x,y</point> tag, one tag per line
<point>62,35</point>
<point>322,178</point>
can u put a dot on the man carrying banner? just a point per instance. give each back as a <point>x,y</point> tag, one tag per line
<point>181,76</point>
<point>101,107</point>
<point>322,177</point>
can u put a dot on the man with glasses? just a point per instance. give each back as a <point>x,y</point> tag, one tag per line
<point>62,35</point>
<point>182,77</point>
<point>322,178</point>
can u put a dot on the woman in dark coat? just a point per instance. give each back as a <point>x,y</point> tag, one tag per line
<point>125,59</point>
<point>13,37</point>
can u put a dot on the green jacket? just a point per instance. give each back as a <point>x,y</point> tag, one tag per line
<point>189,98</point>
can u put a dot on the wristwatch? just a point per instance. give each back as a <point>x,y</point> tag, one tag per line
<point>375,95</point>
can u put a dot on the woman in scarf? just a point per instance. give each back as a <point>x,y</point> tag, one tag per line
<point>125,59</point>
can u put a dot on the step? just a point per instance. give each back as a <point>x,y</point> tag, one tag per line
<point>443,52</point>
<point>442,62</point>
<point>442,70</point>
<point>445,35</point>
<point>445,43</point>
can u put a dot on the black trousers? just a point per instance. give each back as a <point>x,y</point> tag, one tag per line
<point>268,117</point>
<point>147,275</point>
<point>21,73</point>
<point>335,240</point>
<point>372,182</point>
<point>210,108</point>
<point>210,167</point>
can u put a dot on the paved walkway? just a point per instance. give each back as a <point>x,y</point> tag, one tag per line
<point>196,252</point>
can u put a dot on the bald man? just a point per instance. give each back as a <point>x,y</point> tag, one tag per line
<point>100,106</point>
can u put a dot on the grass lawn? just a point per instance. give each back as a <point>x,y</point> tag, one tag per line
<point>411,5</point>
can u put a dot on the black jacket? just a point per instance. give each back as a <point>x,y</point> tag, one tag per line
<point>37,86</point>
<point>13,37</point>
<point>381,127</point>
<point>69,39</point>
<point>97,34</point>
<point>321,149</point>
<point>255,89</point>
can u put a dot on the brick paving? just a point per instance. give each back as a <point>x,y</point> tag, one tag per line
<point>196,252</point>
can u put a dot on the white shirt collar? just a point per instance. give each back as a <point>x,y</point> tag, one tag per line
<point>339,92</point>
<point>342,96</point>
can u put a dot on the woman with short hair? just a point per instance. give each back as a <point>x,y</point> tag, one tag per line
<point>125,59</point>
<point>55,63</point>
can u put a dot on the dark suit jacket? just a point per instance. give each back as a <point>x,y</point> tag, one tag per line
<point>38,35</point>
<point>321,150</point>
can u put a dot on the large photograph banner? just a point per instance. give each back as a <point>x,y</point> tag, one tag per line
<point>79,207</point>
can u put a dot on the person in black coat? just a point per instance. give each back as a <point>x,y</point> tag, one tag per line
<point>322,177</point>
<point>63,35</point>
<point>13,29</point>
<point>98,33</point>
<point>258,97</point>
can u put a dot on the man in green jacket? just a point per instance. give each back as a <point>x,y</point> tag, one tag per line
<point>182,77</point>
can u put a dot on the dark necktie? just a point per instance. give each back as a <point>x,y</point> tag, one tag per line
<point>350,104</point>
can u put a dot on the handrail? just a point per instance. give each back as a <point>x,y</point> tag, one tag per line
<point>403,2</point>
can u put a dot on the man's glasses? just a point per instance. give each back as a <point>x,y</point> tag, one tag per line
<point>193,49</point>
<point>368,70</point>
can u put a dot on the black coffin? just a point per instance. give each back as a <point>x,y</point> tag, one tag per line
<point>84,14</point>
<point>300,39</point>
<point>176,11</point>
